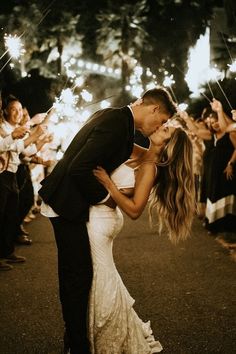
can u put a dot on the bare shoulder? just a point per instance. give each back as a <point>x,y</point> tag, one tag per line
<point>232,136</point>
<point>148,167</point>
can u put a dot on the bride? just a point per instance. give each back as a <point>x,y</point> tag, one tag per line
<point>165,171</point>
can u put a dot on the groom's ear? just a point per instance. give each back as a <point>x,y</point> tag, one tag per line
<point>156,108</point>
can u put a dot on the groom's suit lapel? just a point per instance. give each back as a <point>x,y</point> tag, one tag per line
<point>130,131</point>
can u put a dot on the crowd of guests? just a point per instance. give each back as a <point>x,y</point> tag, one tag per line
<point>23,138</point>
<point>214,142</point>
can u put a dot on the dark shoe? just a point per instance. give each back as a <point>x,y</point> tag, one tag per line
<point>5,266</point>
<point>24,231</point>
<point>66,349</point>
<point>23,240</point>
<point>13,258</point>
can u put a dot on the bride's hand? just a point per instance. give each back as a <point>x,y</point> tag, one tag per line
<point>102,176</point>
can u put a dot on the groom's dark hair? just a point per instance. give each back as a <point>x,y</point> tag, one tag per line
<point>161,96</point>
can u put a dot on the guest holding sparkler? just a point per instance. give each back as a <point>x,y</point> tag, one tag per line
<point>12,144</point>
<point>220,174</point>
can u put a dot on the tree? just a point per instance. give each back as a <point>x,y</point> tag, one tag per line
<point>173,27</point>
<point>122,36</point>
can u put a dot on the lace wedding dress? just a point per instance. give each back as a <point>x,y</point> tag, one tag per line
<point>114,326</point>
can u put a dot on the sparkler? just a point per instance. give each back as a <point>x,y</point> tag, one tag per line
<point>105,104</point>
<point>13,42</point>
<point>86,95</point>
<point>212,94</point>
<point>65,104</point>
<point>232,67</point>
<point>169,81</point>
<point>204,95</point>
<point>183,106</point>
<point>215,74</point>
<point>14,45</point>
<point>224,94</point>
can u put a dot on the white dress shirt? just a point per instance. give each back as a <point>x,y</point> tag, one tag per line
<point>15,146</point>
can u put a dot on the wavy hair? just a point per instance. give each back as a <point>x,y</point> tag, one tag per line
<point>173,195</point>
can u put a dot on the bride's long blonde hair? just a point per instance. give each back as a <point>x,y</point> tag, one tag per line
<point>173,195</point>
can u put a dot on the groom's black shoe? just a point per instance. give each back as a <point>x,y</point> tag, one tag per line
<point>66,349</point>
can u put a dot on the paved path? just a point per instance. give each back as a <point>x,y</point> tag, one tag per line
<point>187,291</point>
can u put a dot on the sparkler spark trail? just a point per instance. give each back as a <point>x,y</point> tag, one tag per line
<point>232,67</point>
<point>172,91</point>
<point>212,94</point>
<point>5,64</point>
<point>14,47</point>
<point>224,94</point>
<point>4,54</point>
<point>203,94</point>
<point>45,13</point>
<point>168,81</point>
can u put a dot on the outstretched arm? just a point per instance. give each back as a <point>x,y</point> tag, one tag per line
<point>223,119</point>
<point>134,205</point>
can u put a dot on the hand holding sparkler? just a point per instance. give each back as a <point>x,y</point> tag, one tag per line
<point>42,117</point>
<point>216,105</point>
<point>37,118</point>
<point>47,138</point>
<point>223,119</point>
<point>39,130</point>
<point>233,114</point>
<point>19,132</point>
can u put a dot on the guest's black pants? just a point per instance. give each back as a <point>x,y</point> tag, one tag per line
<point>75,278</point>
<point>26,194</point>
<point>8,212</point>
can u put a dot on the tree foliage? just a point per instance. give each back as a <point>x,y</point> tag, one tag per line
<point>155,33</point>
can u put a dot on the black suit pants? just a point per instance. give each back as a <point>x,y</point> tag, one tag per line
<point>26,191</point>
<point>9,215</point>
<point>75,278</point>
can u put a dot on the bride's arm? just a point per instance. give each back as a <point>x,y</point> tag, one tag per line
<point>133,206</point>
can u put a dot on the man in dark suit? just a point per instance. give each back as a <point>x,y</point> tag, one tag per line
<point>105,140</point>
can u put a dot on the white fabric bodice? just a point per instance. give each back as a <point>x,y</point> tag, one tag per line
<point>124,176</point>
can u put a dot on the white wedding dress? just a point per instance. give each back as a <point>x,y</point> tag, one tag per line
<point>114,326</point>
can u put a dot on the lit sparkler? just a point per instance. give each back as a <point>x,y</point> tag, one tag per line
<point>87,97</point>
<point>183,106</point>
<point>65,105</point>
<point>232,67</point>
<point>14,46</point>
<point>168,82</point>
<point>105,104</point>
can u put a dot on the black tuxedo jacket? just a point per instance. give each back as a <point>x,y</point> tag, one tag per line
<point>105,140</point>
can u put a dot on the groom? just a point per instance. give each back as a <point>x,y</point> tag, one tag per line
<point>105,140</point>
